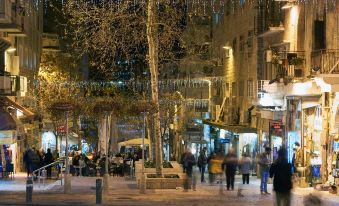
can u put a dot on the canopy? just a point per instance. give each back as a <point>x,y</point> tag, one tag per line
<point>133,142</point>
<point>7,137</point>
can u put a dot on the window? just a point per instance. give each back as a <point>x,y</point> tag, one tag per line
<point>250,88</point>
<point>242,44</point>
<point>250,39</point>
<point>242,2</point>
<point>319,35</point>
<point>227,89</point>
<point>228,7</point>
<point>234,44</point>
<point>234,89</point>
<point>241,88</point>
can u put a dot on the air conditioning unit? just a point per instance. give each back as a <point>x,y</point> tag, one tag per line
<point>5,84</point>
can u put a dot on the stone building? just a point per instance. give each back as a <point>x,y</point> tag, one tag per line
<point>20,39</point>
<point>280,62</point>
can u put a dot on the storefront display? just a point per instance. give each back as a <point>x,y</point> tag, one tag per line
<point>312,143</point>
<point>276,138</point>
<point>248,144</point>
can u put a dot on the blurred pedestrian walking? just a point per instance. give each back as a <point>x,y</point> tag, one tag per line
<point>48,159</point>
<point>214,167</point>
<point>264,167</point>
<point>230,162</point>
<point>188,161</point>
<point>245,166</point>
<point>281,172</point>
<point>202,162</point>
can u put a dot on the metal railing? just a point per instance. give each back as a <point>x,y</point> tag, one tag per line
<point>38,173</point>
<point>325,61</point>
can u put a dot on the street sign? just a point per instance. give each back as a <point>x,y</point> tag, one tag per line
<point>224,141</point>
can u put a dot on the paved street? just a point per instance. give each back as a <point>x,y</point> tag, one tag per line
<point>124,192</point>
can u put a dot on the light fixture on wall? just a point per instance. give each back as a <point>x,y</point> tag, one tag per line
<point>11,49</point>
<point>289,4</point>
<point>228,50</point>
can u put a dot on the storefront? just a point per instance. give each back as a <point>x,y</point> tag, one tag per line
<point>276,137</point>
<point>8,150</point>
<point>312,131</point>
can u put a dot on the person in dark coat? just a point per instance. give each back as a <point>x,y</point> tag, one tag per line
<point>48,159</point>
<point>281,172</point>
<point>28,162</point>
<point>230,162</point>
<point>188,161</point>
<point>202,162</point>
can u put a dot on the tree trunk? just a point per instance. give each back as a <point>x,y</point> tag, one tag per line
<point>152,37</point>
<point>114,135</point>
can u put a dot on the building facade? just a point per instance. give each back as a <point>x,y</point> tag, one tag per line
<point>280,61</point>
<point>20,39</point>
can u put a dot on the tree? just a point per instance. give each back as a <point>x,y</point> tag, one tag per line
<point>109,30</point>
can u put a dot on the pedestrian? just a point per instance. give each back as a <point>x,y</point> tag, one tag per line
<point>213,167</point>
<point>245,166</point>
<point>264,168</point>
<point>202,162</point>
<point>48,159</point>
<point>188,163</point>
<point>230,162</point>
<point>35,161</point>
<point>28,162</point>
<point>281,172</point>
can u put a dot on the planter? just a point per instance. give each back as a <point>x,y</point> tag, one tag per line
<point>176,169</point>
<point>166,182</point>
<point>163,183</point>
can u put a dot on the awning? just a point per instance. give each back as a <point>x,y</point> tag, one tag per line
<point>4,44</point>
<point>232,128</point>
<point>10,102</point>
<point>133,142</point>
<point>7,122</point>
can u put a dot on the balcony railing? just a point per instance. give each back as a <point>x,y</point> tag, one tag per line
<point>325,62</point>
<point>11,16</point>
<point>11,85</point>
<point>289,64</point>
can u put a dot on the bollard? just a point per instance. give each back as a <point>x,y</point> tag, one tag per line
<point>98,191</point>
<point>29,190</point>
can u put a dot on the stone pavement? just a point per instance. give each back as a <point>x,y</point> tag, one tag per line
<point>124,192</point>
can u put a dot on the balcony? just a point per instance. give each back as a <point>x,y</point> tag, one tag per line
<point>12,85</point>
<point>325,62</point>
<point>11,17</point>
<point>288,64</point>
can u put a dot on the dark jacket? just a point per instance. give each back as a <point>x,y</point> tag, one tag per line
<point>231,162</point>
<point>48,158</point>
<point>188,161</point>
<point>202,159</point>
<point>281,171</point>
